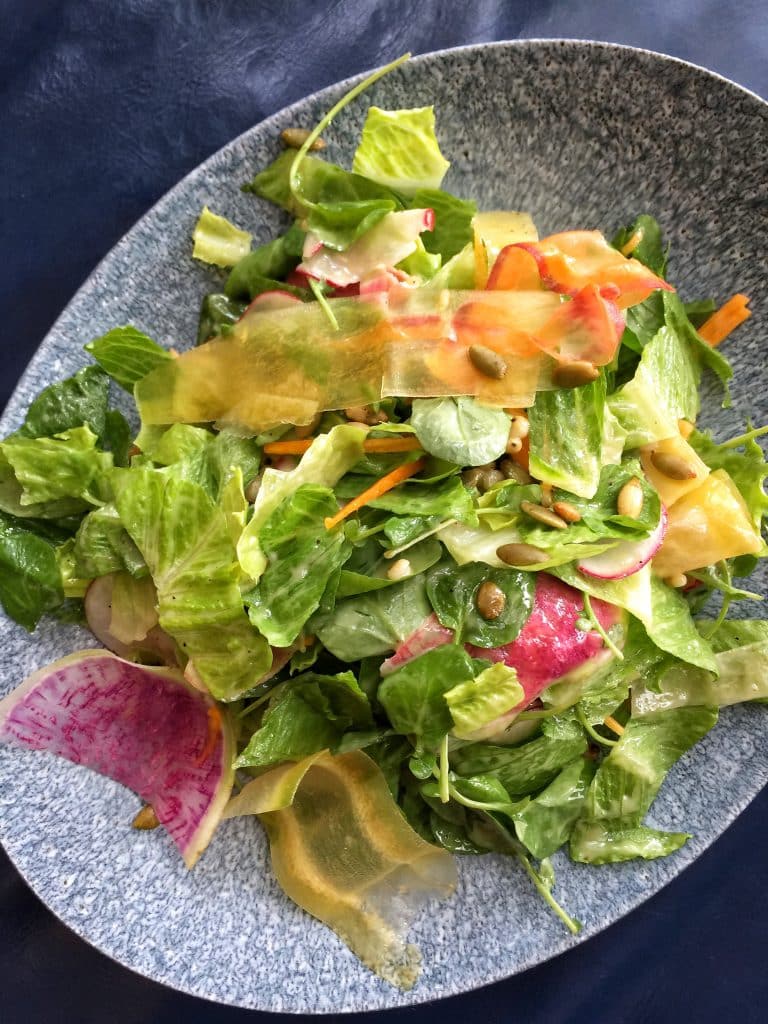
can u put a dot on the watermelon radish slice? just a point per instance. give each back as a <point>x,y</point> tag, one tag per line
<point>143,727</point>
<point>628,557</point>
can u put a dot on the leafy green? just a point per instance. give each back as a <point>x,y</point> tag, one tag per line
<point>263,268</point>
<point>79,401</point>
<point>367,569</point>
<point>184,539</point>
<point>302,556</point>
<point>458,272</point>
<point>414,696</point>
<point>460,430</point>
<point>306,715</point>
<point>399,149</point>
<point>218,313</point>
<point>521,770</point>
<point>329,457</point>
<point>480,544</point>
<point>448,499</point>
<point>747,468</point>
<point>568,458</point>
<point>373,623</point>
<point>102,546</point>
<point>453,224</point>
<point>478,701</point>
<point>649,249</point>
<point>117,437</point>
<point>30,580</point>
<point>48,469</point>
<point>452,591</point>
<point>127,355</point>
<point>218,241</point>
<point>546,822</point>
<point>609,842</point>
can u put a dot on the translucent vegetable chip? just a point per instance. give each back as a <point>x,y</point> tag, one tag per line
<point>344,852</point>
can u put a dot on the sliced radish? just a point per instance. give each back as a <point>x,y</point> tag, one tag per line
<point>628,557</point>
<point>276,298</point>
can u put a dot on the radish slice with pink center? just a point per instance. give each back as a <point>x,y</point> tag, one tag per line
<point>627,557</point>
<point>143,727</point>
<point>386,244</point>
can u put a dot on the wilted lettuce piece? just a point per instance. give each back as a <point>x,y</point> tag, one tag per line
<point>524,769</point>
<point>79,401</point>
<point>742,665</point>
<point>49,469</point>
<point>102,546</point>
<point>568,458</point>
<point>458,272</point>
<point>345,853</point>
<point>628,780</point>
<point>127,355</point>
<point>305,715</point>
<point>302,555</point>
<point>217,240</point>
<point>399,149</point>
<point>30,580</point>
<point>478,701</point>
<point>414,696</point>
<point>421,264</point>
<point>609,842</point>
<point>326,461</point>
<point>546,822</point>
<point>264,268</point>
<point>460,430</point>
<point>185,540</point>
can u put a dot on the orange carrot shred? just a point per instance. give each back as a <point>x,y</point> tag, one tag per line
<point>214,728</point>
<point>726,319</point>
<point>386,483</point>
<point>613,725</point>
<point>374,444</point>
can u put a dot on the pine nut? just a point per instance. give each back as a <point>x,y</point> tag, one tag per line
<point>672,466</point>
<point>519,427</point>
<point>399,570</point>
<point>294,138</point>
<point>630,500</point>
<point>514,445</point>
<point>574,374</point>
<point>252,489</point>
<point>546,495</point>
<point>567,511</point>
<point>677,581</point>
<point>543,515</point>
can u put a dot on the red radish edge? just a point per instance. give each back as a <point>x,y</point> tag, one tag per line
<point>628,556</point>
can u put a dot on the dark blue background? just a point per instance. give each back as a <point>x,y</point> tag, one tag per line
<point>103,106</point>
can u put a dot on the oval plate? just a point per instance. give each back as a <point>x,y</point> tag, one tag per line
<point>581,135</point>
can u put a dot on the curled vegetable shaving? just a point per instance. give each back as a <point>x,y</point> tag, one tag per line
<point>343,851</point>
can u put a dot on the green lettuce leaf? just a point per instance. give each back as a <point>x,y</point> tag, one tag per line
<point>263,269</point>
<point>524,769</point>
<point>30,580</point>
<point>610,842</point>
<point>480,544</point>
<point>448,499</point>
<point>453,224</point>
<point>367,567</point>
<point>127,355</point>
<point>329,457</point>
<point>399,149</point>
<point>572,458</point>
<point>302,556</point>
<point>458,272</point>
<point>79,401</point>
<point>308,714</point>
<point>452,592</point>
<point>476,702</point>
<point>217,240</point>
<point>746,467</point>
<point>67,465</point>
<point>650,248</point>
<point>103,546</point>
<point>218,313</point>
<point>547,821</point>
<point>460,430</point>
<point>414,696</point>
<point>185,540</point>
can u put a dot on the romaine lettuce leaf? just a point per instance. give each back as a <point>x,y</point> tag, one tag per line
<point>217,240</point>
<point>480,544</point>
<point>747,468</point>
<point>367,567</point>
<point>184,538</point>
<point>127,355</point>
<point>302,556</point>
<point>524,769</point>
<point>458,272</point>
<point>546,822</point>
<point>102,545</point>
<point>610,842</point>
<point>30,580</point>
<point>399,149</point>
<point>476,702</point>
<point>49,469</point>
<point>460,430</point>
<point>568,458</point>
<point>329,457</point>
<point>218,313</point>
<point>448,498</point>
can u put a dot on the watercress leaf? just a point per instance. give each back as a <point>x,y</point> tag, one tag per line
<point>452,837</point>
<point>400,530</point>
<point>217,314</point>
<point>127,355</point>
<point>452,592</point>
<point>453,223</point>
<point>302,555</point>
<point>460,430</point>
<point>268,263</point>
<point>413,696</point>
<point>546,822</point>
<point>610,842</point>
<point>521,770</point>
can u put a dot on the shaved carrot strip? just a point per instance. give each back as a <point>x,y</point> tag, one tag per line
<point>386,483</point>
<point>613,725</point>
<point>375,444</point>
<point>726,319</point>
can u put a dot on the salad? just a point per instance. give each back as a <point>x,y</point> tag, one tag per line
<point>418,552</point>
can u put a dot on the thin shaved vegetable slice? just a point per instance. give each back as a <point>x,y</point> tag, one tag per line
<point>344,852</point>
<point>272,791</point>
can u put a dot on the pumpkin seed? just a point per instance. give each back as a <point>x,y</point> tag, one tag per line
<point>488,362</point>
<point>294,138</point>
<point>252,489</point>
<point>543,515</point>
<point>567,511</point>
<point>575,373</point>
<point>512,471</point>
<point>673,466</point>
<point>471,477</point>
<point>489,478</point>
<point>146,819</point>
<point>521,554</point>
<point>630,500</point>
<point>490,600</point>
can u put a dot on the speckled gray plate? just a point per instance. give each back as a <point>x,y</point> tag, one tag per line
<point>581,135</point>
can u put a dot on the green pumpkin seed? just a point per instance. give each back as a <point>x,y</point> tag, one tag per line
<point>521,554</point>
<point>543,515</point>
<point>488,362</point>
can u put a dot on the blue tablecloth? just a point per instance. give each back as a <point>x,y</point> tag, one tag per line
<point>105,105</point>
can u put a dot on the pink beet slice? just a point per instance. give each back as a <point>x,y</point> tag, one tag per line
<point>143,727</point>
<point>548,647</point>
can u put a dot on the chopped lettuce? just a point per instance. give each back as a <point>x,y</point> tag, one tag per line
<point>524,769</point>
<point>103,546</point>
<point>452,232</point>
<point>79,401</point>
<point>610,842</point>
<point>262,270</point>
<point>476,702</point>
<point>127,355</point>
<point>399,149</point>
<point>218,241</point>
<point>49,469</point>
